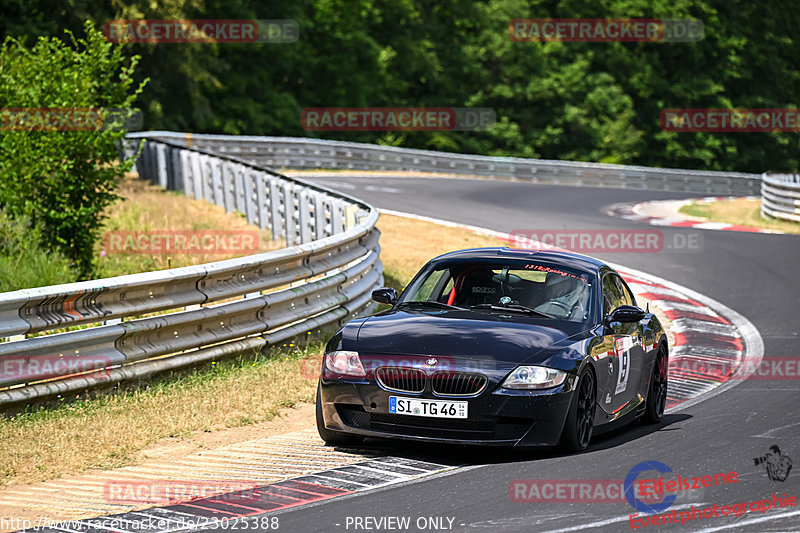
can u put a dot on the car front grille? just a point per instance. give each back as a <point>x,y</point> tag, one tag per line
<point>447,383</point>
<point>401,379</point>
<point>443,382</point>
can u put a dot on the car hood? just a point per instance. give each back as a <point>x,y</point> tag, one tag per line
<point>465,334</point>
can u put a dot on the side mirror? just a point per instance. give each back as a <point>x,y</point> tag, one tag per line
<point>385,295</point>
<point>626,313</point>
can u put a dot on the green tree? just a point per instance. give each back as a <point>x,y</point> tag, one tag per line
<point>20,244</point>
<point>63,180</point>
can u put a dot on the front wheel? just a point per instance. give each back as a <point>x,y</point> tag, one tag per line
<point>580,419</point>
<point>333,438</point>
<point>657,395</point>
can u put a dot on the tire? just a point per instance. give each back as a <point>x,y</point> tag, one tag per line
<point>657,393</point>
<point>579,426</point>
<point>333,438</point>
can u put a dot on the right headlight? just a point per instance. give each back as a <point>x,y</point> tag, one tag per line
<point>345,364</point>
<point>534,377</point>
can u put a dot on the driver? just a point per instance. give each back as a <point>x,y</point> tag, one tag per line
<point>563,293</point>
<point>476,286</point>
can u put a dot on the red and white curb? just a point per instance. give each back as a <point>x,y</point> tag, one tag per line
<point>704,340</point>
<point>638,213</point>
<point>256,508</point>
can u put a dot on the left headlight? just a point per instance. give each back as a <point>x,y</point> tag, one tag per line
<point>344,364</point>
<point>534,377</point>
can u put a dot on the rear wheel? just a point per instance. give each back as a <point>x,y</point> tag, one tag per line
<point>580,419</point>
<point>333,438</point>
<point>657,395</point>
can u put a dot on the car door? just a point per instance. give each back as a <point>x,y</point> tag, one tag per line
<point>627,359</point>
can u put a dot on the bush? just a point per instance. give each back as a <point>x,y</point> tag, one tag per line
<point>63,180</point>
<point>24,263</point>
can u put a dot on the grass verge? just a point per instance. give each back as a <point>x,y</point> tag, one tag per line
<point>149,208</point>
<point>407,244</point>
<point>110,430</point>
<point>737,211</point>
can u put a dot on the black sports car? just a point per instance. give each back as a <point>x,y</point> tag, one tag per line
<point>496,346</point>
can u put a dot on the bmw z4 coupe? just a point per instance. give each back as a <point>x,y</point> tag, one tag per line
<point>496,346</point>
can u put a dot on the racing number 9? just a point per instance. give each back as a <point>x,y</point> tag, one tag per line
<point>624,357</point>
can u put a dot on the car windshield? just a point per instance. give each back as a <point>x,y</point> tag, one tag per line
<point>538,290</point>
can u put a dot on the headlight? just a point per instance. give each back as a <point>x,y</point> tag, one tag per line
<point>534,377</point>
<point>344,364</point>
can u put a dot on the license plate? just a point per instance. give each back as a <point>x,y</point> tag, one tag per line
<point>434,408</point>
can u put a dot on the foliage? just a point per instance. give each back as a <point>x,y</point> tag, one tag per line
<point>63,180</point>
<point>578,101</point>
<point>20,244</point>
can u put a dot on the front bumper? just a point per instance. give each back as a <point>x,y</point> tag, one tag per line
<point>496,417</point>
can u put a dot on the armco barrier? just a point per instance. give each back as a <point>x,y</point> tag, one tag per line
<point>306,153</point>
<point>323,277</point>
<point>780,196</point>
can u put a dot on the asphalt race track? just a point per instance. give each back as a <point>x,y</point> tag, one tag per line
<point>734,432</point>
<point>754,274</point>
<point>721,435</point>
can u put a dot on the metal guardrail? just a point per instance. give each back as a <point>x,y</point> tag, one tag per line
<point>780,196</point>
<point>305,153</point>
<point>324,277</point>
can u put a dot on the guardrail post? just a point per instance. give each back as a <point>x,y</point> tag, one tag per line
<point>197,175</point>
<point>275,203</point>
<point>175,176</point>
<point>262,203</point>
<point>161,162</point>
<point>208,178</point>
<point>288,214</point>
<point>239,188</point>
<point>249,180</point>
<point>350,216</point>
<point>217,182</point>
<point>304,216</point>
<point>337,217</point>
<point>148,166</point>
<point>319,215</point>
<point>187,176</point>
<point>227,187</point>
<point>329,210</point>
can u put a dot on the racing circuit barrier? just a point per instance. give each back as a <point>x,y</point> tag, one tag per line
<point>306,153</point>
<point>323,278</point>
<point>780,196</point>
